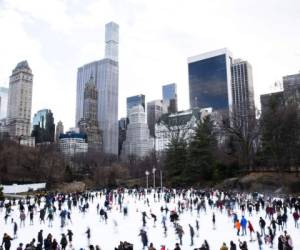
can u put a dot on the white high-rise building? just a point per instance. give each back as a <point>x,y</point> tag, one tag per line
<point>138,141</point>
<point>20,100</point>
<point>3,102</point>
<point>242,94</point>
<point>106,75</point>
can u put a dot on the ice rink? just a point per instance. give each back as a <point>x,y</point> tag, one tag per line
<point>126,228</point>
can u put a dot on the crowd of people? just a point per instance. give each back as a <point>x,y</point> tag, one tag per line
<point>271,231</point>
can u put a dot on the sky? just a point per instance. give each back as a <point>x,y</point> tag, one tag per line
<point>156,38</point>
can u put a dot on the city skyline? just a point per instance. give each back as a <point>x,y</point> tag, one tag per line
<point>153,51</point>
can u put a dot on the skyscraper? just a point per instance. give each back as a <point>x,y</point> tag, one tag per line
<point>106,75</point>
<point>3,102</point>
<point>59,130</point>
<point>20,100</point>
<point>112,41</point>
<point>43,126</point>
<point>154,111</point>
<point>210,80</point>
<point>169,92</point>
<point>138,141</point>
<point>242,94</point>
<point>89,123</point>
<point>135,100</point>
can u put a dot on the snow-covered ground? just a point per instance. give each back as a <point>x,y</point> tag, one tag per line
<point>108,236</point>
<point>21,188</point>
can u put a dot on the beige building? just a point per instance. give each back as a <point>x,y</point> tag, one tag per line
<point>88,125</point>
<point>59,130</point>
<point>20,100</point>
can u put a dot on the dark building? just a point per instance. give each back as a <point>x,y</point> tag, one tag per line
<point>123,122</point>
<point>154,111</point>
<point>43,126</point>
<point>267,100</point>
<point>291,88</point>
<point>210,80</point>
<point>89,123</point>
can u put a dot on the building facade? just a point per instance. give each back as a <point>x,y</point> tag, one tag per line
<point>243,106</point>
<point>89,123</point>
<point>72,143</point>
<point>210,80</point>
<point>3,102</point>
<point>291,88</point>
<point>59,130</point>
<point>20,100</point>
<point>43,127</point>
<point>135,100</point>
<point>169,93</point>
<point>138,141</point>
<point>154,111</point>
<point>106,75</point>
<point>123,122</point>
<point>182,123</point>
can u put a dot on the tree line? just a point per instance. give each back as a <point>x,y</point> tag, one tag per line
<point>215,151</point>
<point>235,147</point>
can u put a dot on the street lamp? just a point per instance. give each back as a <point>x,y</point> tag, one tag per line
<point>153,171</point>
<point>147,174</point>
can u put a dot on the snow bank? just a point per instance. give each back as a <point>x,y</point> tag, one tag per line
<point>15,188</point>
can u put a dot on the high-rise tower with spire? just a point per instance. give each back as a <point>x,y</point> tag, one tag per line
<point>106,77</point>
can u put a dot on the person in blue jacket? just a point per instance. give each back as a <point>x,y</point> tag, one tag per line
<point>244,225</point>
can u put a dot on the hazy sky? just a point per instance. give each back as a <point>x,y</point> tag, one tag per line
<point>156,37</point>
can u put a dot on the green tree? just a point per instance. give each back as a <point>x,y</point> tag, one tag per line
<point>280,129</point>
<point>176,159</point>
<point>242,139</point>
<point>201,162</point>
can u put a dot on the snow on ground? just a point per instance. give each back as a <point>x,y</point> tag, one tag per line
<point>22,188</point>
<point>107,236</point>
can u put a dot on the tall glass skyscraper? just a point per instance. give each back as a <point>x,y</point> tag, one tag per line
<point>169,92</point>
<point>135,100</point>
<point>210,80</point>
<point>106,75</point>
<point>43,127</point>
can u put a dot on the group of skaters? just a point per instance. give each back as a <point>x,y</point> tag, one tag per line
<point>272,231</point>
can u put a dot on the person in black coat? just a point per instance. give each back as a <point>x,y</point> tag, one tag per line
<point>232,245</point>
<point>6,241</point>
<point>144,238</point>
<point>40,237</point>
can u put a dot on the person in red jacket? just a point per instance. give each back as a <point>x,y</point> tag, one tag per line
<point>296,218</point>
<point>251,229</point>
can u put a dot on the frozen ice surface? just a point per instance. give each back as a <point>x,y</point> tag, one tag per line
<point>108,236</point>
